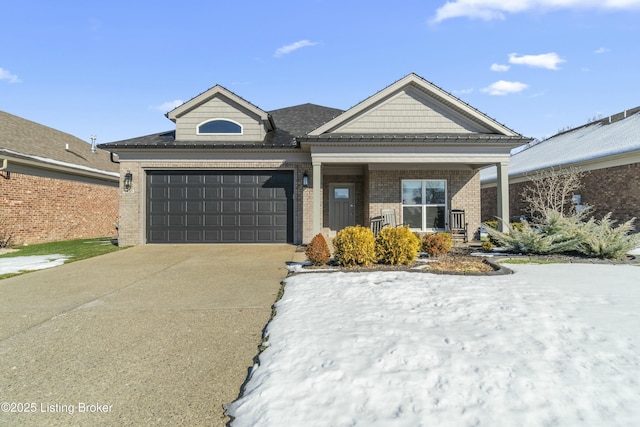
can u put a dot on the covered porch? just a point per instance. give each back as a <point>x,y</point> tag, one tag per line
<point>421,182</point>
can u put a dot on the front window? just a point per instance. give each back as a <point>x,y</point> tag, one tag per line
<point>220,127</point>
<point>424,204</point>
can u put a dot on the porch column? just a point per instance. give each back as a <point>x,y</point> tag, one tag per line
<point>317,198</point>
<point>503,195</point>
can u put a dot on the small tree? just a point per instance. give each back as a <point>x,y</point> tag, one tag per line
<point>318,250</point>
<point>553,189</point>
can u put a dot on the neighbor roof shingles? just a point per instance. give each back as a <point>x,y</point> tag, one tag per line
<point>18,135</point>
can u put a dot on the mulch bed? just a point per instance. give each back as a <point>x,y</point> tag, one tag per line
<point>459,261</point>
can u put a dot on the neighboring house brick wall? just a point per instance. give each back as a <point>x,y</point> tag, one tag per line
<point>39,209</point>
<point>613,190</point>
<point>463,191</point>
<point>604,189</point>
<point>133,203</point>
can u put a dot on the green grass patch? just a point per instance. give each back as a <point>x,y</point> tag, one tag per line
<point>76,250</point>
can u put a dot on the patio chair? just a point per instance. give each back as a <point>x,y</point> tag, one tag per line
<point>377,222</point>
<point>389,217</point>
<point>458,225</point>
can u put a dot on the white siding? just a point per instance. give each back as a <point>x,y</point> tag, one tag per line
<point>410,111</point>
<point>219,108</point>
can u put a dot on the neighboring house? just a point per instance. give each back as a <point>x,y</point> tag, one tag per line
<point>607,149</point>
<point>54,186</point>
<point>231,172</point>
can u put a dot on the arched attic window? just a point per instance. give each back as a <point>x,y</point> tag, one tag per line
<point>219,127</point>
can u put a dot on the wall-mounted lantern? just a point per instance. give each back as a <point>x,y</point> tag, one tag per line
<point>305,180</point>
<point>128,177</point>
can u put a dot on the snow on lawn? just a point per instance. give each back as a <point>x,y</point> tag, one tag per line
<point>28,263</point>
<point>552,345</point>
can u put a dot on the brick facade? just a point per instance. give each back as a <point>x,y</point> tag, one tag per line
<point>611,189</point>
<point>133,203</point>
<point>463,191</point>
<point>39,209</point>
<point>382,187</point>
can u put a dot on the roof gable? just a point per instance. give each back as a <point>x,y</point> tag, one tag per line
<point>413,105</point>
<point>224,95</point>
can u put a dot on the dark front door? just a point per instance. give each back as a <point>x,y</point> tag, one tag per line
<point>341,206</point>
<point>219,206</point>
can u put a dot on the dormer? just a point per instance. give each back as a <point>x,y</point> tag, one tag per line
<point>219,115</point>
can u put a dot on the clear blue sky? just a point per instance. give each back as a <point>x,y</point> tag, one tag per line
<point>112,68</point>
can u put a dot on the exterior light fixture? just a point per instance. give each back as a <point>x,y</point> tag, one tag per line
<point>305,180</point>
<point>128,177</point>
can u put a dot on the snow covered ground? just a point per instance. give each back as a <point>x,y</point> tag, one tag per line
<point>552,345</point>
<point>28,263</point>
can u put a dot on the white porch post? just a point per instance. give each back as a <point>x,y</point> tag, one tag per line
<point>317,197</point>
<point>503,195</point>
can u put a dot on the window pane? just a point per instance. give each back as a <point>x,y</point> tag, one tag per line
<point>411,192</point>
<point>220,126</point>
<point>435,217</point>
<point>434,192</point>
<point>412,216</point>
<point>341,193</point>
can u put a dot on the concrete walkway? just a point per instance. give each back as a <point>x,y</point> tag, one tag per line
<point>151,335</point>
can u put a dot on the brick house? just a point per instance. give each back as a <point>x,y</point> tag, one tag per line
<point>607,149</point>
<point>231,172</point>
<point>54,186</point>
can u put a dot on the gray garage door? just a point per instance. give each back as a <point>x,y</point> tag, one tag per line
<point>220,207</point>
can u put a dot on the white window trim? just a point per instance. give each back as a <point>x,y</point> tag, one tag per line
<point>422,206</point>
<point>221,119</point>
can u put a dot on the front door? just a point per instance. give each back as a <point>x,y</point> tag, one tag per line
<point>341,206</point>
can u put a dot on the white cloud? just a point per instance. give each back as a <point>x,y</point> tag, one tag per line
<point>498,9</point>
<point>6,75</point>
<point>602,50</point>
<point>169,105</point>
<point>500,68</point>
<point>549,61</point>
<point>293,46</point>
<point>502,87</point>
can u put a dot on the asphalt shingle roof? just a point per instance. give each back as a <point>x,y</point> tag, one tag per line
<point>290,122</point>
<point>22,138</point>
<point>588,142</point>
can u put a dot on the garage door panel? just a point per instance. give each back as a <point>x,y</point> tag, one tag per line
<point>265,220</point>
<point>219,206</point>
<point>247,193</point>
<point>280,220</point>
<point>230,220</point>
<point>247,221</point>
<point>194,221</point>
<point>177,220</point>
<point>212,207</point>
<point>231,207</point>
<point>176,207</point>
<point>230,192</point>
<point>212,221</point>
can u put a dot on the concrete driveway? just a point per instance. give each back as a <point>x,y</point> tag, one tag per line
<point>151,335</point>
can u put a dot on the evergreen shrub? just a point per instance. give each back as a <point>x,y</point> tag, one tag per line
<point>355,246</point>
<point>437,244</point>
<point>396,246</point>
<point>318,251</point>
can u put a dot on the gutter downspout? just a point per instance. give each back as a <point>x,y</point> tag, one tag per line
<point>5,165</point>
<point>111,158</point>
